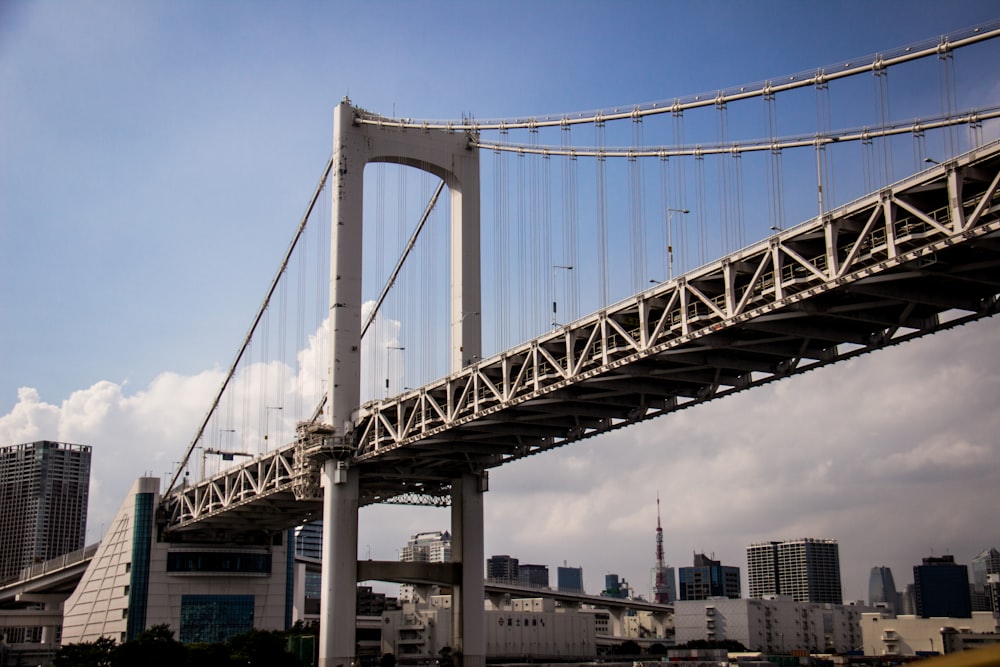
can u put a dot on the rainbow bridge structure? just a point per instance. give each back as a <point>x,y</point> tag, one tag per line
<point>902,256</point>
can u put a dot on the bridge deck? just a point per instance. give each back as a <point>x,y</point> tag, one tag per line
<point>915,258</point>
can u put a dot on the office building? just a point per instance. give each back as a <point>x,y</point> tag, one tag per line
<point>309,543</point>
<point>44,488</point>
<point>206,590</point>
<point>427,547</point>
<point>889,634</point>
<point>502,569</point>
<point>430,547</point>
<point>569,579</point>
<point>709,578</point>
<point>806,569</point>
<point>882,589</point>
<point>615,587</point>
<point>984,594</point>
<point>777,624</point>
<point>533,575</point>
<point>941,588</point>
<point>663,584</point>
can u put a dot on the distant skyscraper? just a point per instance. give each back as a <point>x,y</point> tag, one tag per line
<point>615,587</point>
<point>536,576</point>
<point>309,540</point>
<point>431,547</point>
<point>309,543</point>
<point>502,569</point>
<point>942,588</point>
<point>985,593</point>
<point>882,589</point>
<point>44,488</point>
<point>709,579</point>
<point>570,579</point>
<point>807,569</point>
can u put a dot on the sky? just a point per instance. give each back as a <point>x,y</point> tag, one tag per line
<point>154,157</point>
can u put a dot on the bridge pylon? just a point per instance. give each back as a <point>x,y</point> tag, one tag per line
<point>360,139</point>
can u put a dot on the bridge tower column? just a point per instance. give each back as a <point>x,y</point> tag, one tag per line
<point>338,598</point>
<point>468,612</point>
<point>359,138</point>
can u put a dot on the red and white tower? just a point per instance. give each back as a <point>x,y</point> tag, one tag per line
<point>661,591</point>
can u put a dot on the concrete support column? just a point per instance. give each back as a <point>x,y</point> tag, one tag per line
<point>617,617</point>
<point>467,604</point>
<point>338,598</point>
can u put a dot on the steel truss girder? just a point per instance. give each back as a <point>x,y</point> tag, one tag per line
<point>871,273</point>
<point>878,271</point>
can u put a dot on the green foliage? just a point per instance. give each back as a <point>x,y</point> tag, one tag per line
<point>627,647</point>
<point>730,645</point>
<point>156,647</point>
<point>261,648</point>
<point>86,654</point>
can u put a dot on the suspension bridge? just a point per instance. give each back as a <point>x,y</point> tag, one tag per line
<point>534,290</point>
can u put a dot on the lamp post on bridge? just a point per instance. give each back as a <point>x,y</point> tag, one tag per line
<point>556,267</point>
<point>670,238</point>
<point>388,350</point>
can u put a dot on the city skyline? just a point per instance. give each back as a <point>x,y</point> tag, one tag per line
<point>155,160</point>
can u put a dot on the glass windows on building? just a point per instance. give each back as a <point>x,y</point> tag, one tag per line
<point>226,562</point>
<point>215,618</point>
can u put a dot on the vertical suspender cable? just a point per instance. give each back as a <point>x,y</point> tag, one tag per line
<point>602,231</point>
<point>635,208</point>
<point>680,172</point>
<point>570,221</point>
<point>246,340</point>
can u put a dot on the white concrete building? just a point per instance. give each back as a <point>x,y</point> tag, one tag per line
<point>529,627</point>
<point>204,592</point>
<point>886,634</point>
<point>776,624</point>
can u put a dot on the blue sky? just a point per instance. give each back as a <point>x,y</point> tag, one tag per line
<point>155,156</point>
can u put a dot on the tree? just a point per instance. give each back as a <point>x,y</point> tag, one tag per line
<point>263,648</point>
<point>97,653</point>
<point>628,647</point>
<point>155,647</point>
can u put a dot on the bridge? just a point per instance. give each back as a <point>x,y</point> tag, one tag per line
<point>905,255</point>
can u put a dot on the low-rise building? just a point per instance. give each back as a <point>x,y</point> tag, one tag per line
<point>776,624</point>
<point>529,627</point>
<point>889,634</point>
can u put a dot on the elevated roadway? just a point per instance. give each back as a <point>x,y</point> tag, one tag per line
<point>914,258</point>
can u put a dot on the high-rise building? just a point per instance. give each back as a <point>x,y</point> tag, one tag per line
<point>534,575</point>
<point>615,587</point>
<point>984,593</point>
<point>709,578</point>
<point>502,569</point>
<point>570,579</point>
<point>807,569</point>
<point>882,589</point>
<point>431,547</point>
<point>44,488</point>
<point>942,588</point>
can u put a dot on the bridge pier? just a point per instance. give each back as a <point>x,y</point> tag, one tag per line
<point>468,597</point>
<point>338,601</point>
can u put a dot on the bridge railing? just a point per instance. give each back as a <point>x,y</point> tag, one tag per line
<point>54,564</point>
<point>916,217</point>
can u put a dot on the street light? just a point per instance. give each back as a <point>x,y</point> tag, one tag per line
<point>670,238</point>
<point>556,267</point>
<point>389,349</point>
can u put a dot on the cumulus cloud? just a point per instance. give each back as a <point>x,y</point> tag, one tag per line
<point>893,454</point>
